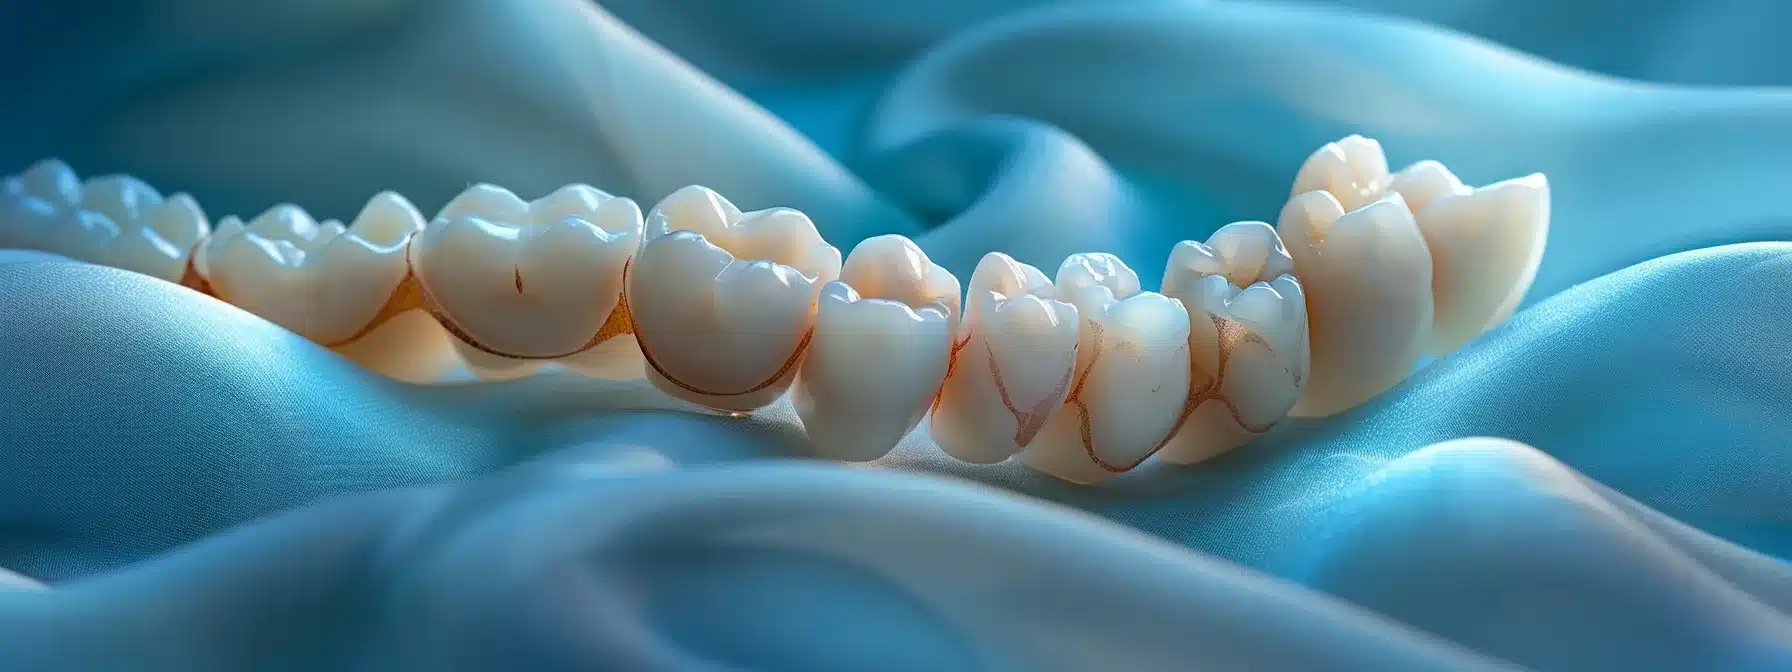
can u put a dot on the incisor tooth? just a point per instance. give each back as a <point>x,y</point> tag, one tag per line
<point>521,284</point>
<point>883,336</point>
<point>1486,244</point>
<point>724,301</point>
<point>1130,389</point>
<point>1012,365</point>
<point>1353,169</point>
<point>1367,279</point>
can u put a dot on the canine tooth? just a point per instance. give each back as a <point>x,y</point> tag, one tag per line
<point>122,198</point>
<point>1486,244</point>
<point>1353,169</point>
<point>1131,384</point>
<point>53,181</point>
<point>1011,367</point>
<point>1367,278</point>
<point>526,290</point>
<point>883,337</point>
<point>724,301</point>
<point>1248,362</point>
<point>313,279</point>
<point>1243,252</point>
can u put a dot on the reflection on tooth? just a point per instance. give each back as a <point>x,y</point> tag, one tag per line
<point>52,181</point>
<point>1011,367</point>
<point>121,198</point>
<point>1248,364</point>
<point>518,293</point>
<point>1353,169</point>
<point>883,335</point>
<point>1423,182</point>
<point>26,221</point>
<point>1367,278</point>
<point>1130,389</point>
<point>1243,252</point>
<point>180,221</point>
<point>1486,244</point>
<point>724,301</point>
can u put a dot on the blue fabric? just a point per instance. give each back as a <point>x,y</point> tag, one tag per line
<point>202,490</point>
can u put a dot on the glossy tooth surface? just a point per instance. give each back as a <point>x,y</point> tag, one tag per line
<point>26,221</point>
<point>1011,367</point>
<point>1486,244</point>
<point>116,220</point>
<point>1367,279</point>
<point>883,337</point>
<point>1354,170</point>
<point>1248,361</point>
<point>526,283</point>
<point>1131,383</point>
<point>317,280</point>
<point>1242,252</point>
<point>1421,183</point>
<point>52,181</point>
<point>724,302</point>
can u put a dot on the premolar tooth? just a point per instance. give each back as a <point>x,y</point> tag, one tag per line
<point>1424,182</point>
<point>489,202</point>
<point>1367,278</point>
<point>1248,362</point>
<point>387,219</point>
<point>53,181</point>
<point>1011,367</point>
<point>1243,252</point>
<point>724,301</point>
<point>291,223</point>
<point>1353,169</point>
<point>180,221</point>
<point>1130,389</point>
<point>883,337</point>
<point>519,293</point>
<point>1486,244</point>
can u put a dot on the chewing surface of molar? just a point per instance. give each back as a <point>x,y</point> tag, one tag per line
<point>1011,367</point>
<point>114,220</point>
<point>1130,388</point>
<point>1248,338</point>
<point>883,338</point>
<point>1367,279</point>
<point>724,302</point>
<point>1486,243</point>
<point>523,283</point>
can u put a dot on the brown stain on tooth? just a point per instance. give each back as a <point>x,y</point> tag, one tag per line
<point>619,322</point>
<point>796,355</point>
<point>1028,423</point>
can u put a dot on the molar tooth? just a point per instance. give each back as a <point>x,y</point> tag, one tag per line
<point>573,200</point>
<point>122,198</point>
<point>1367,278</point>
<point>1353,169</point>
<point>1243,252</point>
<point>1011,367</point>
<point>489,202</point>
<point>1248,362</point>
<point>883,337</point>
<point>53,181</point>
<point>520,294</point>
<point>291,223</point>
<point>180,221</point>
<point>724,301</point>
<point>1486,244</point>
<point>1130,389</point>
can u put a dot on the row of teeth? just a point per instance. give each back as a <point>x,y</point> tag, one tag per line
<point>1082,376</point>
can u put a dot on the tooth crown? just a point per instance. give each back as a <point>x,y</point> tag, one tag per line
<point>724,301</point>
<point>1476,250</point>
<point>114,220</point>
<point>521,282</point>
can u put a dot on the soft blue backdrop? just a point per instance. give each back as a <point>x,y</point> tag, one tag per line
<point>203,490</point>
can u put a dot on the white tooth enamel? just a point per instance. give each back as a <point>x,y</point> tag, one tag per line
<point>180,221</point>
<point>489,202</point>
<point>387,219</point>
<point>1367,277</point>
<point>1486,244</point>
<point>527,292</point>
<point>1353,169</point>
<point>1248,363</point>
<point>1132,374</point>
<point>52,181</point>
<point>1012,366</point>
<point>1424,182</point>
<point>1243,252</point>
<point>314,279</point>
<point>724,301</point>
<point>883,337</point>
<point>121,198</point>
<point>26,221</point>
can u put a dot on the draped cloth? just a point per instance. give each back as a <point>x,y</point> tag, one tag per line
<point>1599,483</point>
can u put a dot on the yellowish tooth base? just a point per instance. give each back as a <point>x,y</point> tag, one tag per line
<point>411,347</point>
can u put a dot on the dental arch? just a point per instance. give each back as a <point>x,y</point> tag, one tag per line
<point>1082,376</point>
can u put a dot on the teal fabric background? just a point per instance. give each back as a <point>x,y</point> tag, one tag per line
<point>202,490</point>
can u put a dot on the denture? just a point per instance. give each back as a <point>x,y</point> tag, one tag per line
<point>1081,376</point>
